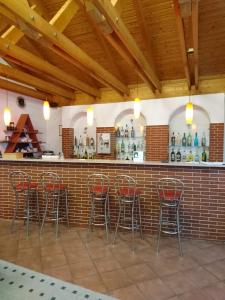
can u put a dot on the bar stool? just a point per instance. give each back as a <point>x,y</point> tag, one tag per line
<point>22,185</point>
<point>54,193</point>
<point>170,193</point>
<point>98,189</point>
<point>129,216</point>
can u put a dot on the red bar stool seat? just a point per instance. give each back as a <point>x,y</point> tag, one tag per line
<point>98,190</point>
<point>128,196</point>
<point>23,188</point>
<point>170,193</point>
<point>56,200</point>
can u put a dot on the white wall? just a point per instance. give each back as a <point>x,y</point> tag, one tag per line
<point>156,112</point>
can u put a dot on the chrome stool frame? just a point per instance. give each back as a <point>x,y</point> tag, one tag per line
<point>170,193</point>
<point>53,187</point>
<point>128,195</point>
<point>98,189</point>
<point>22,185</point>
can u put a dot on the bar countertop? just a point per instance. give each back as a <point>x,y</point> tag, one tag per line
<point>117,162</point>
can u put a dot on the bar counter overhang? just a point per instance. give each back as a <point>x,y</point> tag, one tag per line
<point>202,208</point>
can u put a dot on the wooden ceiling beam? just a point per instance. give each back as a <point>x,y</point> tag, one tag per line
<point>195,39</point>
<point>17,88</point>
<point>30,60</point>
<point>64,15</point>
<point>180,28</point>
<point>145,30</point>
<point>63,44</point>
<point>118,26</point>
<point>36,82</point>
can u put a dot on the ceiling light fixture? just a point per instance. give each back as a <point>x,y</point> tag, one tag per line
<point>90,116</point>
<point>7,112</point>
<point>46,110</point>
<point>189,112</point>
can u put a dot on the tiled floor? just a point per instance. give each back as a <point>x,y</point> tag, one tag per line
<point>116,270</point>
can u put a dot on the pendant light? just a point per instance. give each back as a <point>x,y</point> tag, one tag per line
<point>46,110</point>
<point>137,105</point>
<point>189,112</point>
<point>7,112</point>
<point>90,116</point>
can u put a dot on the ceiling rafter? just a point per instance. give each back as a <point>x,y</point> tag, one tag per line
<point>145,31</point>
<point>114,20</point>
<point>180,28</point>
<point>104,45</point>
<point>63,45</point>
<point>36,82</point>
<point>28,59</point>
<point>195,40</point>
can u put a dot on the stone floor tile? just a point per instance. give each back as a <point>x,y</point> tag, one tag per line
<point>62,273</point>
<point>115,279</point>
<point>82,269</point>
<point>217,269</point>
<point>93,282</point>
<point>155,289</point>
<point>216,291</point>
<point>106,264</point>
<point>140,272</point>
<point>52,261</point>
<point>128,293</point>
<point>201,277</point>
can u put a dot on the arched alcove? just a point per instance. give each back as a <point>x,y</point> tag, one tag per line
<point>132,138</point>
<point>84,135</point>
<point>200,128</point>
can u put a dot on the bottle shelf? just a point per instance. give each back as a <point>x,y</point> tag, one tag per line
<point>189,147</point>
<point>130,138</point>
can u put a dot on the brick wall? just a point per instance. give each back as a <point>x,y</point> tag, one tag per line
<point>216,142</point>
<point>157,141</point>
<point>68,142</point>
<point>110,130</point>
<point>202,210</point>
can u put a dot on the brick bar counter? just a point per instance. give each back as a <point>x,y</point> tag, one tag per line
<point>202,210</point>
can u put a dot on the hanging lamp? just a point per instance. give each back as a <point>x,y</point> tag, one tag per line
<point>46,110</point>
<point>137,105</point>
<point>90,115</point>
<point>7,112</point>
<point>189,112</point>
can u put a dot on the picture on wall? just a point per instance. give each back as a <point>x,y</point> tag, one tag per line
<point>103,142</point>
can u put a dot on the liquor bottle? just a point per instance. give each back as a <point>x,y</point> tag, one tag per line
<point>173,140</point>
<point>178,156</point>
<point>118,148</point>
<point>126,133</point>
<point>75,142</point>
<point>80,141</point>
<point>184,141</point>
<point>134,147</point>
<point>196,140</point>
<point>132,133</point>
<point>122,132</point>
<point>203,140</point>
<point>85,153</point>
<point>184,156</point>
<point>92,142</point>
<point>122,147</point>
<point>178,139</point>
<point>190,156</point>
<point>172,155</point>
<point>189,140</point>
<point>87,140</point>
<point>138,146</point>
<point>129,149</point>
<point>196,157</point>
<point>204,156</point>
<point>118,132</point>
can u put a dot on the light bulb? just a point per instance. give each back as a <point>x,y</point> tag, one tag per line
<point>7,116</point>
<point>90,116</point>
<point>137,108</point>
<point>189,113</point>
<point>46,110</point>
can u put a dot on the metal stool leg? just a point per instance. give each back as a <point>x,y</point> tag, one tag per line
<point>37,207</point>
<point>57,215</point>
<point>160,228</point>
<point>140,220</point>
<point>178,232</point>
<point>90,221</point>
<point>67,209</point>
<point>117,224</point>
<point>28,213</point>
<point>106,219</point>
<point>132,224</point>
<point>15,213</point>
<point>45,212</point>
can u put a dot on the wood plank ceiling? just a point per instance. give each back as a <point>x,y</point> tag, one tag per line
<point>96,51</point>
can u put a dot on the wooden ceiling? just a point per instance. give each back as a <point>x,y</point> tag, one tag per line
<point>96,51</point>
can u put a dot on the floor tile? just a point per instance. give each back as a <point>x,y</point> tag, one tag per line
<point>128,293</point>
<point>82,268</point>
<point>140,272</point>
<point>115,279</point>
<point>51,261</point>
<point>62,273</point>
<point>217,269</point>
<point>93,282</point>
<point>106,264</point>
<point>155,289</point>
<point>201,277</point>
